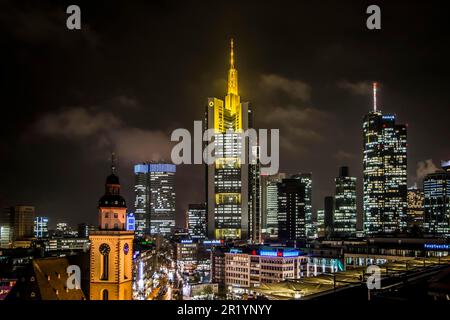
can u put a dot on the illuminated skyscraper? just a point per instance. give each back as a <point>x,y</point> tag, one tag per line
<point>228,178</point>
<point>41,227</point>
<point>155,198</point>
<point>6,227</point>
<point>111,247</point>
<point>196,221</point>
<point>415,207</point>
<point>306,180</point>
<point>254,199</point>
<point>384,163</point>
<point>269,204</point>
<point>344,222</point>
<point>22,222</point>
<point>436,188</point>
<point>291,209</point>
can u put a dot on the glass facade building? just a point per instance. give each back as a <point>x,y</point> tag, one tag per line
<point>384,165</point>
<point>415,207</point>
<point>155,198</point>
<point>197,222</point>
<point>227,176</point>
<point>269,204</point>
<point>306,180</point>
<point>436,188</point>
<point>345,204</point>
<point>41,227</point>
<point>291,209</point>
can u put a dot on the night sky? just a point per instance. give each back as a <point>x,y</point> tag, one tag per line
<point>137,70</point>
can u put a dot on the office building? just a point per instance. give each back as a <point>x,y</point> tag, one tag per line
<point>186,256</point>
<point>306,180</point>
<point>66,244</point>
<point>196,221</point>
<point>325,218</point>
<point>6,228</point>
<point>415,208</point>
<point>291,209</point>
<point>227,186</point>
<point>155,198</point>
<point>22,222</point>
<point>249,268</point>
<point>85,229</point>
<point>41,227</point>
<point>344,222</point>
<point>384,165</point>
<point>254,199</point>
<point>269,204</point>
<point>436,189</point>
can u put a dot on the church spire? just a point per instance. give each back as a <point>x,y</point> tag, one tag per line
<point>113,163</point>
<point>232,73</point>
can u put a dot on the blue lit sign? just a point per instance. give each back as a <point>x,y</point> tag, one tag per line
<point>212,242</point>
<point>388,117</point>
<point>294,253</point>
<point>279,253</point>
<point>235,251</point>
<point>130,222</point>
<point>433,246</point>
<point>154,167</point>
<point>186,241</point>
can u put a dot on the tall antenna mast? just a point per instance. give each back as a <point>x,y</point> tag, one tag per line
<point>374,97</point>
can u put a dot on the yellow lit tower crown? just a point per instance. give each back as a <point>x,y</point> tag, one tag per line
<point>230,116</point>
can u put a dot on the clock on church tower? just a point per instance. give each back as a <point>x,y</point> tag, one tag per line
<point>111,247</point>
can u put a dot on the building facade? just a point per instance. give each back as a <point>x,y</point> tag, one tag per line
<point>111,253</point>
<point>41,227</point>
<point>344,222</point>
<point>227,176</point>
<point>306,180</point>
<point>384,165</point>
<point>155,198</point>
<point>197,221</point>
<point>22,222</point>
<point>269,204</point>
<point>325,218</point>
<point>291,209</point>
<point>6,228</point>
<point>436,188</point>
<point>415,208</point>
<point>263,265</point>
<point>254,199</point>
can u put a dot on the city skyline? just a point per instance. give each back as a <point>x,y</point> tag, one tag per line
<point>233,151</point>
<point>302,91</point>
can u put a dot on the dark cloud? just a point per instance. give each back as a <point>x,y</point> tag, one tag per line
<point>106,132</point>
<point>358,88</point>
<point>295,89</point>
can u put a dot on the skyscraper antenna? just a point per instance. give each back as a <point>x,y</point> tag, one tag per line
<point>232,54</point>
<point>113,162</point>
<point>374,97</point>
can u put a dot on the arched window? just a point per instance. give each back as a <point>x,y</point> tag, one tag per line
<point>116,226</point>
<point>105,294</point>
<point>104,251</point>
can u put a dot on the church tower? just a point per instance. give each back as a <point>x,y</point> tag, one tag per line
<point>111,246</point>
